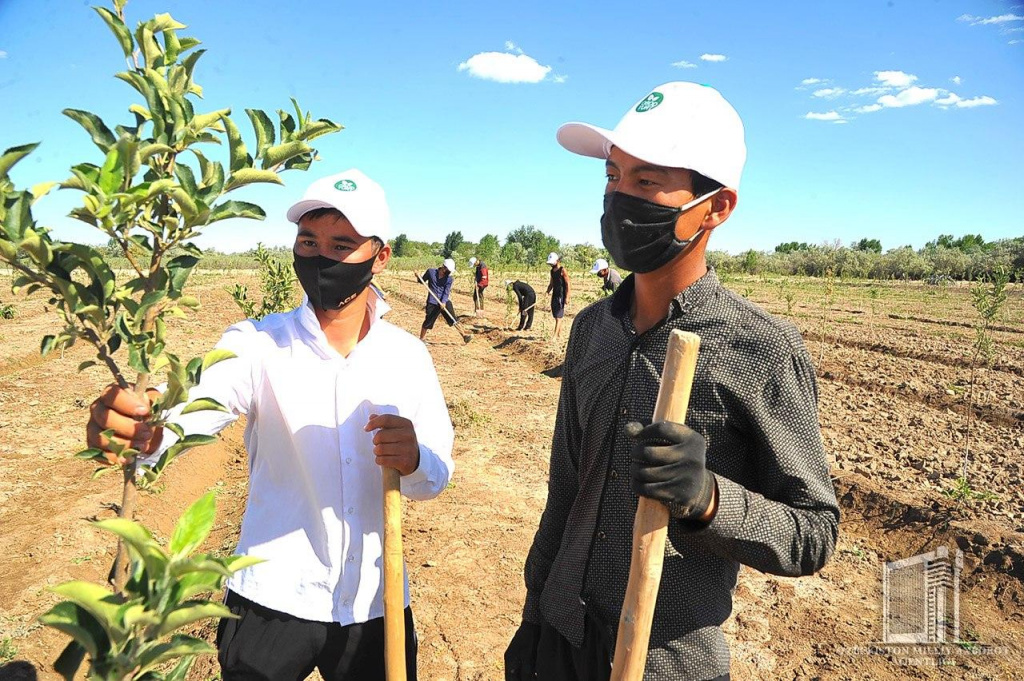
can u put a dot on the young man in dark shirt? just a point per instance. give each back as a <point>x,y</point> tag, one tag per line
<point>746,480</point>
<point>439,282</point>
<point>610,279</point>
<point>527,299</point>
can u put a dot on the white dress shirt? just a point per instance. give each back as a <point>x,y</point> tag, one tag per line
<point>314,511</point>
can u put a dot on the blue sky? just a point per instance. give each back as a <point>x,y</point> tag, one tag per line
<point>893,120</point>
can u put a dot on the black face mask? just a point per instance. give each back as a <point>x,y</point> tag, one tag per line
<point>331,284</point>
<point>641,235</point>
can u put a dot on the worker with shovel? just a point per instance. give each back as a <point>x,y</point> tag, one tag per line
<point>526,298</point>
<point>438,281</point>
<point>745,480</point>
<point>335,397</point>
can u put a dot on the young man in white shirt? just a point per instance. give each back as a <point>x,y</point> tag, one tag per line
<point>331,392</point>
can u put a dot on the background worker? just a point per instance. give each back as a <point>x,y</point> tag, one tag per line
<point>746,480</point>
<point>331,392</point>
<point>558,287</point>
<point>610,279</point>
<point>527,299</point>
<point>481,278</point>
<point>439,281</point>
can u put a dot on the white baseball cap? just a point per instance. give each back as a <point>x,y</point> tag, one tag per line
<point>472,261</point>
<point>449,265</point>
<point>599,264</point>
<point>676,125</point>
<point>358,197</point>
<point>552,258</point>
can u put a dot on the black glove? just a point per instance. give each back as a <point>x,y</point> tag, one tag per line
<point>668,465</point>
<point>521,654</point>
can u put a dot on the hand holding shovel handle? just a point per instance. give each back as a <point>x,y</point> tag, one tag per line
<point>651,524</point>
<point>394,578</point>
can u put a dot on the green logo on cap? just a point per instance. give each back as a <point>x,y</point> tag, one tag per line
<point>649,102</point>
<point>345,186</point>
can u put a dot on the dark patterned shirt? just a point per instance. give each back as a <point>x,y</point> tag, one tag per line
<point>754,399</point>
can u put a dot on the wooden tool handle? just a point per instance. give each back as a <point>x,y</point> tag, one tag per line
<point>394,578</point>
<point>651,523</point>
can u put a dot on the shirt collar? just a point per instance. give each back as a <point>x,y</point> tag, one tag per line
<point>688,299</point>
<point>376,307</point>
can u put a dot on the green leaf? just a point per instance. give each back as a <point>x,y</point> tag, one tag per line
<point>236,209</point>
<point>236,147</point>
<point>140,540</point>
<point>287,126</point>
<point>264,128</point>
<point>180,671</point>
<point>42,189</point>
<point>194,583</point>
<point>86,364</point>
<point>46,346</point>
<point>77,623</point>
<point>14,154</point>
<point>283,152</point>
<point>94,125</point>
<point>148,151</point>
<point>186,178</point>
<point>236,563</point>
<point>179,268</point>
<point>194,525</point>
<point>70,659</point>
<point>190,61</point>
<point>177,647</point>
<point>120,31</point>
<point>203,404</point>
<point>97,601</point>
<point>318,129</point>
<point>216,355</point>
<point>112,173</point>
<point>245,176</point>
<point>189,612</point>
<point>165,22</point>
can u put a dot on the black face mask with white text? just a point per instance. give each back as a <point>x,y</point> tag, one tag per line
<point>641,235</point>
<point>331,284</point>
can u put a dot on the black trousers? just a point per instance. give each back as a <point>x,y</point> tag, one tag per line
<point>266,645</point>
<point>434,311</point>
<point>559,660</point>
<point>478,297</point>
<point>526,318</point>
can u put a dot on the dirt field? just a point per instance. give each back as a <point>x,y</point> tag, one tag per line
<point>893,371</point>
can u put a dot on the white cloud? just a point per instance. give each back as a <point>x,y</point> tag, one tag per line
<point>949,100</point>
<point>912,96</point>
<point>984,100</point>
<point>559,79</point>
<point>713,57</point>
<point>897,79</point>
<point>811,81</point>
<point>829,92</point>
<point>1015,42</point>
<point>870,108</point>
<point>956,80</point>
<point>3,54</point>
<point>829,116</point>
<point>1001,19</point>
<point>841,121</point>
<point>503,67</point>
<point>872,91</point>
<point>512,47</point>
<point>683,64</point>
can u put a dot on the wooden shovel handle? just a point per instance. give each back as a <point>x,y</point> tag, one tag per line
<point>394,578</point>
<point>651,524</point>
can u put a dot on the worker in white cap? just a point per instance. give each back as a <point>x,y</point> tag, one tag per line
<point>558,287</point>
<point>610,279</point>
<point>746,480</point>
<point>439,290</point>
<point>331,393</point>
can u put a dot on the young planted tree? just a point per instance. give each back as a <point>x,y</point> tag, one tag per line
<point>988,299</point>
<point>277,279</point>
<point>152,191</point>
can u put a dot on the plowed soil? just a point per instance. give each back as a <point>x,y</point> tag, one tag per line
<point>893,384</point>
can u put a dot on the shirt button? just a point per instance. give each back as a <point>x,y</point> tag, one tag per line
<point>351,510</point>
<point>347,602</point>
<point>351,558</point>
<point>348,460</point>
<point>614,474</point>
<point>625,411</point>
<point>600,535</point>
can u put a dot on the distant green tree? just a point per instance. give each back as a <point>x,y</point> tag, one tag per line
<point>870,245</point>
<point>451,244</point>
<point>792,246</point>
<point>400,245</point>
<point>488,248</point>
